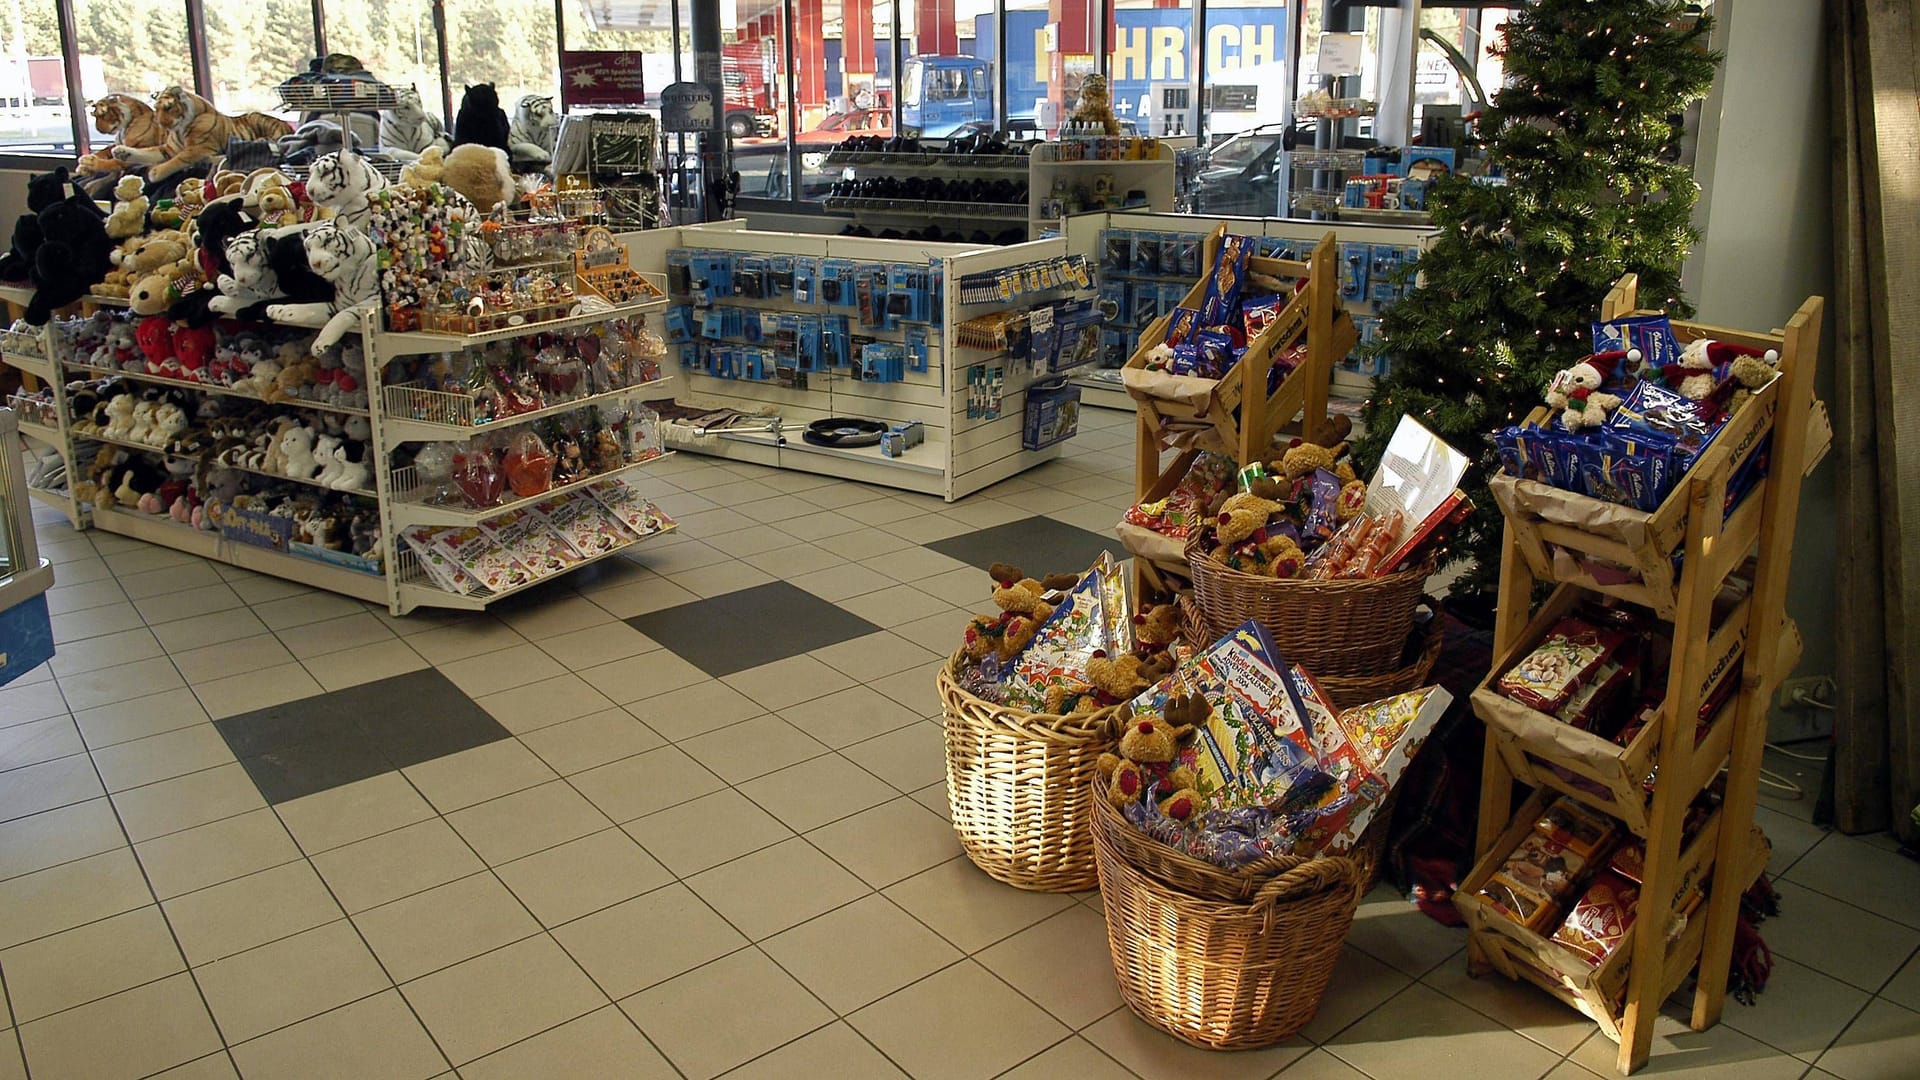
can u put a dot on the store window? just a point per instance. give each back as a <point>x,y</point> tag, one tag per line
<point>394,39</point>
<point>251,46</point>
<point>34,112</point>
<point>509,43</point>
<point>1150,66</point>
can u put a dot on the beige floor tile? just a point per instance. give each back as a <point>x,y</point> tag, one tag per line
<point>11,1065</point>
<point>540,704</point>
<point>450,644</point>
<point>352,812</point>
<point>940,633</point>
<point>1422,1033</point>
<point>720,578</point>
<point>501,997</point>
<point>927,528</point>
<point>1904,989</point>
<point>813,793</point>
<point>691,710</point>
<point>835,1050</point>
<point>598,1045</point>
<point>132,1034</point>
<point>210,662</point>
<point>444,925</point>
<point>913,688</point>
<point>752,748</point>
<point>1854,870</point>
<point>122,682</point>
<point>896,605</point>
<point>362,664</point>
<point>933,1028</point>
<point>139,718</point>
<point>260,689</point>
<point>762,540</point>
<point>841,582</point>
<point>630,598</point>
<point>1155,1055</point>
<point>1838,939</point>
<point>1063,964</point>
<point>596,645</point>
<point>88,623</point>
<point>383,868</point>
<point>1075,1057</point>
<point>1359,985</point>
<point>162,757</point>
<point>888,843</point>
<point>69,895</point>
<point>707,831</point>
<point>875,656</point>
<point>968,588</point>
<point>793,557</point>
<point>107,650</point>
<point>1883,1044</point>
<point>175,606</point>
<point>839,495</point>
<point>788,682</point>
<point>62,599</point>
<point>238,915</point>
<point>970,909</point>
<point>56,836</point>
<point>473,776</point>
<point>335,635</point>
<point>1719,1053</point>
<point>375,1036</point>
<point>260,589</point>
<point>527,821</point>
<point>855,955</point>
<point>585,742</point>
<point>149,557</point>
<point>1320,1065</point>
<point>638,785</point>
<point>643,676</point>
<point>1801,1012</point>
<point>89,962</point>
<point>215,1066</point>
<point>909,758</point>
<point>549,616</point>
<point>289,980</point>
<point>1516,1005</point>
<point>648,939</point>
<point>725,1013</point>
<point>490,673</point>
<point>1790,838</point>
<point>882,511</point>
<point>934,798</point>
<point>186,801</point>
<point>24,702</point>
<point>218,851</point>
<point>582,876</point>
<point>48,785</point>
<point>311,607</point>
<point>1389,928</point>
<point>776,887</point>
<point>39,740</point>
<point>849,716</point>
<point>199,631</point>
<point>912,564</point>
<point>822,527</point>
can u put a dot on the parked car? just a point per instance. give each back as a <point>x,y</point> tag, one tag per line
<point>1241,175</point>
<point>838,127</point>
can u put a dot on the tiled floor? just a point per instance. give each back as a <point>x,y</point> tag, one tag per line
<point>682,816</point>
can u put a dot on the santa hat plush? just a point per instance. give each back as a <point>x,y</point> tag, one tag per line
<point>1725,352</point>
<point>1606,362</point>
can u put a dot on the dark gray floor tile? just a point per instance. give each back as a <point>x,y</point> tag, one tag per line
<point>1038,545</point>
<point>738,630</point>
<point>308,768</point>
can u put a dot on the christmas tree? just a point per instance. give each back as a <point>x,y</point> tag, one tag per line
<point>1585,133</point>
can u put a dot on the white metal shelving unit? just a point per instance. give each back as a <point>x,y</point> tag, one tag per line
<point>402,587</point>
<point>1154,177</point>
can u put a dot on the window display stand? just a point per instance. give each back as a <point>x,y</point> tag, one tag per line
<point>394,416</point>
<point>1556,536</point>
<point>1151,177</point>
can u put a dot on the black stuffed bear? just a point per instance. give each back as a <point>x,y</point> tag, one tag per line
<point>43,191</point>
<point>74,256</point>
<point>481,119</point>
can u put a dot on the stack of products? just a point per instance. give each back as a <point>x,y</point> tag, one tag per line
<point>1065,644</point>
<point>1237,755</point>
<point>513,376</point>
<point>1630,420</point>
<point>1305,514</point>
<point>1237,306</point>
<point>1192,503</point>
<point>563,449</point>
<point>526,544</point>
<point>1575,878</point>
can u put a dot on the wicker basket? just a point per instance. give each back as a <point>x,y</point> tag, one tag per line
<point>1345,690</point>
<point>1018,787</point>
<point>1339,627</point>
<point>1223,974</point>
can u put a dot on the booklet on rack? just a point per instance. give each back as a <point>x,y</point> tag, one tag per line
<point>1418,476</point>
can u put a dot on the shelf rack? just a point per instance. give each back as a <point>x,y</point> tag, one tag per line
<point>1558,536</point>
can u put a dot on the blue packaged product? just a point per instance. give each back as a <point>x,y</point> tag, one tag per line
<point>1116,250</point>
<point>1382,274</point>
<point>1229,272</point>
<point>1652,408</point>
<point>1355,260</point>
<point>1651,334</point>
<point>1512,452</point>
<point>1216,353</point>
<point>1146,252</point>
<point>1182,325</point>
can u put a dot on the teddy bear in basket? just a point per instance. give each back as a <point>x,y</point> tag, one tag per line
<point>1148,752</point>
<point>1023,609</point>
<point>1576,392</point>
<point>1109,681</point>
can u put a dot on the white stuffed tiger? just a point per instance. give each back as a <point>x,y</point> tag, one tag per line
<point>252,280</point>
<point>408,129</point>
<point>531,135</point>
<point>344,256</point>
<point>341,182</point>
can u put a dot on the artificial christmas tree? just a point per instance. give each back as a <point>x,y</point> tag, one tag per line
<point>1585,134</point>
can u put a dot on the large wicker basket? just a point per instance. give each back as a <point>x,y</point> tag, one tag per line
<point>1226,974</point>
<point>1345,690</point>
<point>1333,628</point>
<point>1018,787</point>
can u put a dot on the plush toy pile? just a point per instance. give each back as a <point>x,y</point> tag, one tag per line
<point>1631,419</point>
<point>528,461</point>
<point>536,371</point>
<point>268,362</point>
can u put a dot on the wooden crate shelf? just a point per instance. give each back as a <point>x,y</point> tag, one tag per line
<point>1674,562</point>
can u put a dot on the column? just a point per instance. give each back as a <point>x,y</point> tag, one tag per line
<point>809,54</point>
<point>938,30</point>
<point>1073,36</point>
<point>856,36</point>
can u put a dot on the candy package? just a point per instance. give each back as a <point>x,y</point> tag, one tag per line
<point>1599,921</point>
<point>1550,675</point>
<point>1576,828</point>
<point>1092,618</point>
<point>1533,881</point>
<point>1224,282</point>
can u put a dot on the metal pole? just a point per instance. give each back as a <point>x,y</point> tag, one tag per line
<point>197,49</point>
<point>77,113</point>
<point>319,28</point>
<point>440,50</point>
<point>704,17</point>
<point>999,63</point>
<point>795,182</point>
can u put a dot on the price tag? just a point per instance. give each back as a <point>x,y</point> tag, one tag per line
<point>1340,54</point>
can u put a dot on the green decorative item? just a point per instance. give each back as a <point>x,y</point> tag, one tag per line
<point>1586,135</point>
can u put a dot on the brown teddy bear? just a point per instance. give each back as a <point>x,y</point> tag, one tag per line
<point>1147,754</point>
<point>1156,628</point>
<point>1245,513</point>
<point>1023,608</point>
<point>1109,682</point>
<point>1302,458</point>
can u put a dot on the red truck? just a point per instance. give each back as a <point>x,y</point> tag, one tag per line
<point>748,74</point>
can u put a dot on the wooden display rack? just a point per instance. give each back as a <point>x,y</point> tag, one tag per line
<point>1557,536</point>
<point>1234,414</point>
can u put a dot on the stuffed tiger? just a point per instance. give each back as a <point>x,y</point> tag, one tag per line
<point>409,128</point>
<point>531,136</point>
<point>252,280</point>
<point>343,255</point>
<point>139,139</point>
<point>342,182</point>
<point>201,132</point>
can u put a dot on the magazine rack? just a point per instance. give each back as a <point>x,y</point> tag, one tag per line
<point>1587,545</point>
